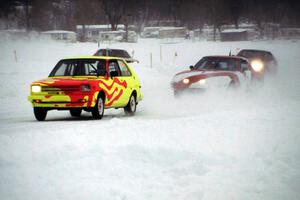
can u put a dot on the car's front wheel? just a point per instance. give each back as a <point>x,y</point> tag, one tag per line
<point>131,106</point>
<point>75,112</point>
<point>98,109</point>
<point>176,93</point>
<point>40,113</point>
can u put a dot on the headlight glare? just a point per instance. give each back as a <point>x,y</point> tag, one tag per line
<point>36,88</point>
<point>257,65</point>
<point>186,81</point>
<point>202,82</point>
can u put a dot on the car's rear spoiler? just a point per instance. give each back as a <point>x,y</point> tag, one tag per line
<point>131,60</point>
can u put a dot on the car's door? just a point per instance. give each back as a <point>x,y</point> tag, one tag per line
<point>126,76</point>
<point>119,92</point>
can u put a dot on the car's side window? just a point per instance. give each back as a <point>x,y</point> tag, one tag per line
<point>244,65</point>
<point>70,69</point>
<point>113,66</point>
<point>222,65</point>
<point>226,65</point>
<point>124,69</point>
<point>232,64</point>
<point>90,68</point>
<point>101,68</point>
<point>80,69</point>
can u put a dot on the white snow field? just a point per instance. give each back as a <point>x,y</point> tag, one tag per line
<point>242,145</point>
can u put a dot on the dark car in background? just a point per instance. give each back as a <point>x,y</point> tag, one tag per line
<point>120,53</point>
<point>262,62</point>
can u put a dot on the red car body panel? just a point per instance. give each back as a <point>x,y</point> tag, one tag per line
<point>196,75</point>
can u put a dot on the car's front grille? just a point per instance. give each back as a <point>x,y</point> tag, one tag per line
<point>60,88</point>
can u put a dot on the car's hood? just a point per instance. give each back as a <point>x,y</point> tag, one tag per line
<point>189,73</point>
<point>62,81</point>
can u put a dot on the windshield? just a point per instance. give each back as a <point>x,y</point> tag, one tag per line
<point>79,67</point>
<point>112,53</point>
<point>217,63</point>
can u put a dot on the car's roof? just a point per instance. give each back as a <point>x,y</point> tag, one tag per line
<point>94,57</point>
<point>112,49</point>
<point>222,56</point>
<point>257,50</point>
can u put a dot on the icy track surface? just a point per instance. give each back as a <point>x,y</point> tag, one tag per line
<point>243,145</point>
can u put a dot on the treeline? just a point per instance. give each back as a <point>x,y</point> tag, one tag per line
<point>66,14</point>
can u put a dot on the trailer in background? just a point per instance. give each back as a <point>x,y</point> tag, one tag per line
<point>59,35</point>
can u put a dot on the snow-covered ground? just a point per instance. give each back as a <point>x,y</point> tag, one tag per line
<point>240,145</point>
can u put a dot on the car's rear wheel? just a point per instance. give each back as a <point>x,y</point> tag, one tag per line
<point>131,106</point>
<point>98,109</point>
<point>40,113</point>
<point>75,112</point>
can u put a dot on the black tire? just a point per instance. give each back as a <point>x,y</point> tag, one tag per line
<point>232,85</point>
<point>179,93</point>
<point>98,109</point>
<point>75,112</point>
<point>176,94</point>
<point>131,106</point>
<point>40,113</point>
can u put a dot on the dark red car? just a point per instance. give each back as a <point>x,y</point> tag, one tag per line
<point>211,72</point>
<point>120,53</point>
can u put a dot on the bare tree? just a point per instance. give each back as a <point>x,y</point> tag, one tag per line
<point>65,14</point>
<point>114,11</point>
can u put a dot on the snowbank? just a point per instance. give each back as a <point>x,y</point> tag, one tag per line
<point>242,145</point>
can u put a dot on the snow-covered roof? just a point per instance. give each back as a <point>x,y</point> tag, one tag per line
<point>171,28</point>
<point>234,30</point>
<point>101,26</point>
<point>152,27</point>
<point>57,31</point>
<point>14,31</point>
<point>112,32</point>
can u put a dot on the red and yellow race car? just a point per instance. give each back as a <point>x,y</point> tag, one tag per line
<point>87,83</point>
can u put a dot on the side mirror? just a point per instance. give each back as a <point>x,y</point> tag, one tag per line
<point>192,67</point>
<point>113,74</point>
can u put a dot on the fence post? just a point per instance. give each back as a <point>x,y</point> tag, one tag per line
<point>160,53</point>
<point>15,53</point>
<point>175,56</point>
<point>151,60</point>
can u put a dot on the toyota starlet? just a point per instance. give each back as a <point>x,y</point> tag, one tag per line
<point>91,84</point>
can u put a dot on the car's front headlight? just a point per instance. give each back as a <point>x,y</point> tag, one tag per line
<point>186,81</point>
<point>257,65</point>
<point>199,84</point>
<point>202,81</point>
<point>36,88</point>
